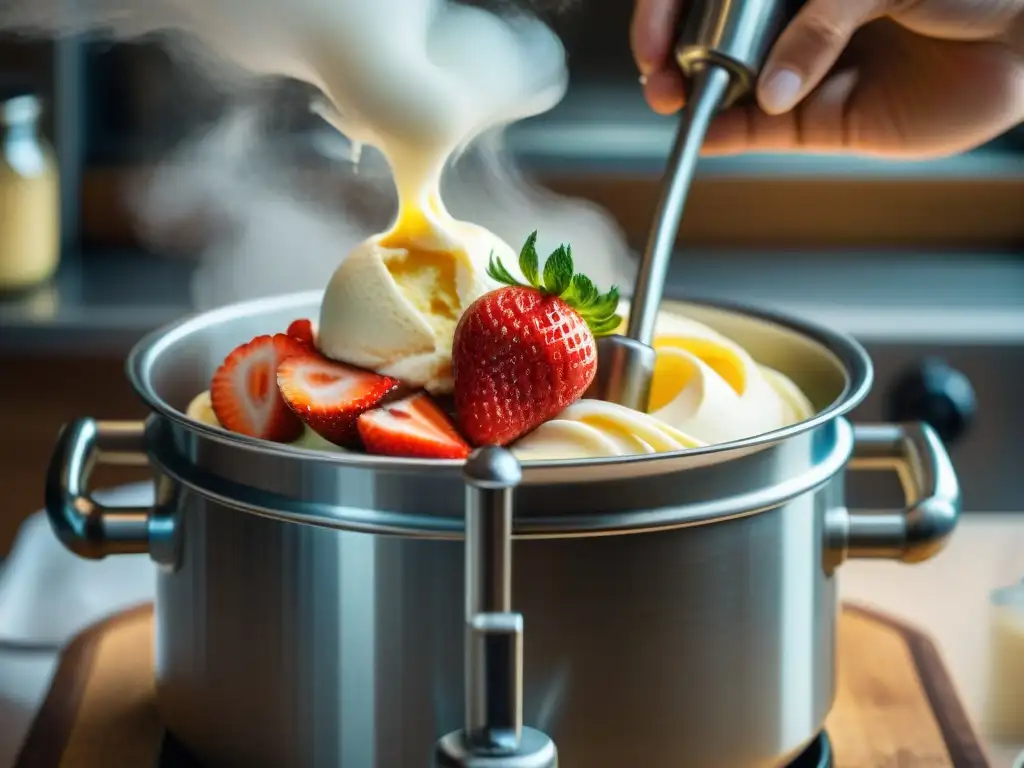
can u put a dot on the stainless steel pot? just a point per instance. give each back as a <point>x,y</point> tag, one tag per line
<point>680,608</point>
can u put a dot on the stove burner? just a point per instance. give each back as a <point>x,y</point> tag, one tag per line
<point>817,755</point>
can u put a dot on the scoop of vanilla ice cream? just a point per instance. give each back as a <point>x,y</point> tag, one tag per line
<point>201,410</point>
<point>392,306</point>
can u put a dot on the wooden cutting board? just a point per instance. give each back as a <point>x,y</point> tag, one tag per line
<point>895,707</point>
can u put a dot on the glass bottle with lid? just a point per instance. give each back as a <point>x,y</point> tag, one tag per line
<point>29,194</point>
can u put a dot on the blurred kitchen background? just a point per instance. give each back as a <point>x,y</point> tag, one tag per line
<point>922,262</point>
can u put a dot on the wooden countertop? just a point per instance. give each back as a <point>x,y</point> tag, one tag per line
<point>947,597</point>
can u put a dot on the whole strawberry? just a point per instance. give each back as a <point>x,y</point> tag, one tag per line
<point>523,353</point>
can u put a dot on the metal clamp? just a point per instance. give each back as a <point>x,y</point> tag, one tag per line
<point>83,525</point>
<point>930,487</point>
<point>493,735</point>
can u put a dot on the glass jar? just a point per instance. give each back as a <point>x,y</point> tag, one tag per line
<point>1004,702</point>
<point>29,195</point>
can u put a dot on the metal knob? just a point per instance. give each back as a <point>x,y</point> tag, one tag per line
<point>936,393</point>
<point>493,735</point>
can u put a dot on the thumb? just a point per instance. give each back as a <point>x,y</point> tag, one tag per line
<point>809,48</point>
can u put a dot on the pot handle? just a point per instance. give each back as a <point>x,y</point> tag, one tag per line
<point>917,455</point>
<point>83,525</point>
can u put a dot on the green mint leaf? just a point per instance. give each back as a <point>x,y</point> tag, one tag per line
<point>558,271</point>
<point>529,261</point>
<point>496,270</point>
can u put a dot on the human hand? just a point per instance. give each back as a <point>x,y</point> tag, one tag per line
<point>897,78</point>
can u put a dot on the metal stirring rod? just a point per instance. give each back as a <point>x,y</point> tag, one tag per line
<point>708,90</point>
<point>626,363</point>
<point>721,49</point>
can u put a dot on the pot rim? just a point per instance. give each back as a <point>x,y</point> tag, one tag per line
<point>849,354</point>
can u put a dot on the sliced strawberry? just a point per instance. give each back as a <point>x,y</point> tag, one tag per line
<point>303,331</point>
<point>414,427</point>
<point>329,396</point>
<point>244,392</point>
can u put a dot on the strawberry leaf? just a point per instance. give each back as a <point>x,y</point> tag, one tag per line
<point>584,290</point>
<point>605,305</point>
<point>606,326</point>
<point>558,271</point>
<point>600,313</point>
<point>496,270</point>
<point>597,309</point>
<point>529,261</point>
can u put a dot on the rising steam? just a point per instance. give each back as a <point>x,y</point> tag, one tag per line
<point>394,74</point>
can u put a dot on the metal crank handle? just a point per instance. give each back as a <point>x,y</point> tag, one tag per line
<point>83,525</point>
<point>916,453</point>
<point>493,735</point>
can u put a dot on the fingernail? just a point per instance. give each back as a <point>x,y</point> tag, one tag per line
<point>781,90</point>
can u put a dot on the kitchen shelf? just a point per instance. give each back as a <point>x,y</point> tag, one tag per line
<point>104,303</point>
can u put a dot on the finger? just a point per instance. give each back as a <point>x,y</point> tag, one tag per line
<point>748,129</point>
<point>664,91</point>
<point>653,31</point>
<point>728,134</point>
<point>819,124</point>
<point>809,48</point>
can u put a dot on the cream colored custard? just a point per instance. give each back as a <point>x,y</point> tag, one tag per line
<point>706,390</point>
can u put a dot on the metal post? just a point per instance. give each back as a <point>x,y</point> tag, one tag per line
<point>493,735</point>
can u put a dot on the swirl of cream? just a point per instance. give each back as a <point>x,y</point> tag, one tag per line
<point>594,428</point>
<point>710,387</point>
<point>706,389</point>
<point>795,405</point>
